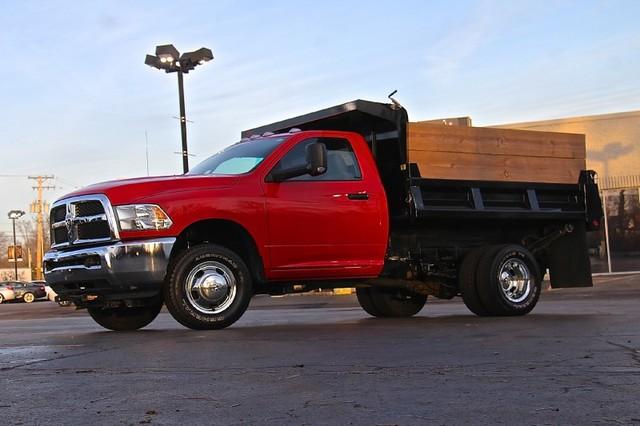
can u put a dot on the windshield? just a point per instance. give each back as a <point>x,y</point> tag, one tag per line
<point>241,157</point>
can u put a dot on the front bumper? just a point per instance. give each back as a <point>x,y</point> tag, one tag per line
<point>118,269</point>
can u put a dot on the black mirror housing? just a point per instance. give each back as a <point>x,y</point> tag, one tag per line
<point>316,159</point>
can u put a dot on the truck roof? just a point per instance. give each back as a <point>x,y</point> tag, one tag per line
<point>359,116</point>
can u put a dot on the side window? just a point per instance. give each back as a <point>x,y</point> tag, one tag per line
<point>341,160</point>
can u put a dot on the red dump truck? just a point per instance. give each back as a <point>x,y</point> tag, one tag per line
<point>349,196</point>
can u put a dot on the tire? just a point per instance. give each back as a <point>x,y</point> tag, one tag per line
<point>208,287</point>
<point>467,282</point>
<point>390,302</point>
<point>124,318</point>
<point>28,298</point>
<point>1,298</point>
<point>366,301</point>
<point>507,297</point>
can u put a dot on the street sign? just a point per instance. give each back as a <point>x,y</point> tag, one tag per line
<point>12,252</point>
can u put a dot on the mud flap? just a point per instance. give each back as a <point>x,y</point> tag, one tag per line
<point>568,260</point>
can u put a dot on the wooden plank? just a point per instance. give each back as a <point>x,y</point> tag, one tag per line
<point>466,166</point>
<point>480,153</point>
<point>484,140</point>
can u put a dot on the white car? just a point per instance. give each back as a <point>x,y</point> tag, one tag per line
<point>6,291</point>
<point>52,295</point>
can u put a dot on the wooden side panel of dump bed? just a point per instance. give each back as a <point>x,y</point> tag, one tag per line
<point>483,153</point>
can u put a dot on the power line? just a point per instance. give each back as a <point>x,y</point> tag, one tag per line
<point>66,182</point>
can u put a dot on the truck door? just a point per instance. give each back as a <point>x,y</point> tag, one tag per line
<point>327,226</point>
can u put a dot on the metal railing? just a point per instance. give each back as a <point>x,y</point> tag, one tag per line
<point>607,185</point>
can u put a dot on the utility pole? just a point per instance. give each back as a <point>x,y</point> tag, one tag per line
<point>38,207</point>
<point>183,124</point>
<point>15,251</point>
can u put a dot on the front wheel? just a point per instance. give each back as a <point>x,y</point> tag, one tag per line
<point>1,298</point>
<point>209,287</point>
<point>28,298</point>
<point>390,302</point>
<point>124,318</point>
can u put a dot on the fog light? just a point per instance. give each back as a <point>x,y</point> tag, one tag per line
<point>92,261</point>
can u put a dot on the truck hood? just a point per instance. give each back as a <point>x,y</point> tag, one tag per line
<point>138,189</point>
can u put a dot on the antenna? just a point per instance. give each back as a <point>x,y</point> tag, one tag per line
<point>146,146</point>
<point>396,104</point>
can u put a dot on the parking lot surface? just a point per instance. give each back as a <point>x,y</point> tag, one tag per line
<point>321,360</point>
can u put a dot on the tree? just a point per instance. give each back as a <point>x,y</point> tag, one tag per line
<point>26,229</point>
<point>5,241</point>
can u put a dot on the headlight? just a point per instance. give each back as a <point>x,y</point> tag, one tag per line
<point>142,216</point>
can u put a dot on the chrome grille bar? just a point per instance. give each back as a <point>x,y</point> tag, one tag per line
<point>82,219</point>
<point>65,233</point>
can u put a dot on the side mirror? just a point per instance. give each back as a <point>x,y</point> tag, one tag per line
<point>316,165</point>
<point>317,159</point>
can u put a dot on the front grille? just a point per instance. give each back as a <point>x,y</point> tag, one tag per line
<point>89,208</point>
<point>93,230</point>
<point>81,220</point>
<point>60,235</point>
<point>58,214</point>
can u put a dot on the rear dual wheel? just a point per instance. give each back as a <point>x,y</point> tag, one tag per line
<point>390,302</point>
<point>502,280</point>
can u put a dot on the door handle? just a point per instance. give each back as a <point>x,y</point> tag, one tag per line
<point>358,196</point>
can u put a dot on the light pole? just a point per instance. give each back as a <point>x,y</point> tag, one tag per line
<point>15,215</point>
<point>168,58</point>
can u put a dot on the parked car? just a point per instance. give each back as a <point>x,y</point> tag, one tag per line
<point>7,291</point>
<point>29,292</point>
<point>53,297</point>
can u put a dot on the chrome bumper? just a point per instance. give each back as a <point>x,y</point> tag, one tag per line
<point>128,265</point>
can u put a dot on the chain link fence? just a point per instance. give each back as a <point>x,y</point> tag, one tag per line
<point>616,249</point>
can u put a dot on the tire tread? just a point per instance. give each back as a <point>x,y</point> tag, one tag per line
<point>467,282</point>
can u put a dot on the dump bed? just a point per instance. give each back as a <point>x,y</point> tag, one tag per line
<point>498,173</point>
<point>498,155</point>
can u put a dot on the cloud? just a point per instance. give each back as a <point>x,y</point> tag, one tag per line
<point>463,40</point>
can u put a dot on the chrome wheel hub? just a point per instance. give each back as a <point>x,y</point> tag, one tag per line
<point>515,280</point>
<point>210,287</point>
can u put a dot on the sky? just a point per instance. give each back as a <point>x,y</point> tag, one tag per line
<point>77,98</point>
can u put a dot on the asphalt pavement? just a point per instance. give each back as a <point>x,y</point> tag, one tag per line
<point>321,360</point>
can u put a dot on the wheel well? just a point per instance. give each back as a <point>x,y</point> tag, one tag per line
<point>225,233</point>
